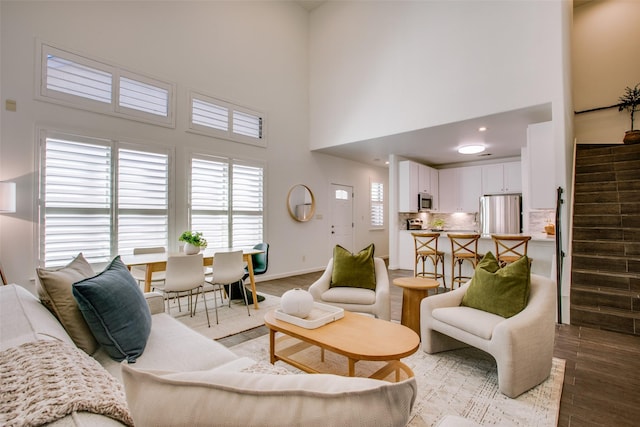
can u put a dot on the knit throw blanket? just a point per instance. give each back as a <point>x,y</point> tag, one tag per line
<point>43,381</point>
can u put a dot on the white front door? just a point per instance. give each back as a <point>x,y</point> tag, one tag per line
<point>342,216</point>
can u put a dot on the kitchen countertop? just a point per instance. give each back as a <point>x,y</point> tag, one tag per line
<point>535,237</point>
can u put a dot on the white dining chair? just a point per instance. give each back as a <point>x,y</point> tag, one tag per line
<point>228,268</point>
<point>184,274</point>
<point>139,272</point>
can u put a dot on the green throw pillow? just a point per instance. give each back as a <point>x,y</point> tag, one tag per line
<point>502,291</point>
<point>353,270</point>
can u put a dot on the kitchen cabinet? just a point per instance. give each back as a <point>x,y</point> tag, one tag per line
<point>541,166</point>
<point>406,250</point>
<point>435,192</point>
<point>414,178</point>
<point>502,178</point>
<point>460,189</point>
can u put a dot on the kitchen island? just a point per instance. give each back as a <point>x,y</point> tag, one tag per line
<point>541,249</point>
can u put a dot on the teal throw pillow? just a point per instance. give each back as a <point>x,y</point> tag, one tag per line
<point>353,270</point>
<point>502,291</point>
<point>116,311</point>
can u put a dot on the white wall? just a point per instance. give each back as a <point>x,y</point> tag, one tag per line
<point>606,59</point>
<point>254,54</point>
<point>380,68</point>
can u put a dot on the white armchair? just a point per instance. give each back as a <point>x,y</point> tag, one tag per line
<point>358,300</point>
<point>522,344</point>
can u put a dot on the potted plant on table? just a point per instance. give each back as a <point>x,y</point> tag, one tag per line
<point>438,224</point>
<point>630,101</point>
<point>194,242</point>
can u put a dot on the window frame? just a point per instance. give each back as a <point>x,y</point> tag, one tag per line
<point>376,203</point>
<point>230,211</point>
<point>228,133</point>
<point>114,145</point>
<point>43,93</point>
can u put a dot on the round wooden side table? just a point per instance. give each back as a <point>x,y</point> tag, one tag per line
<point>414,290</point>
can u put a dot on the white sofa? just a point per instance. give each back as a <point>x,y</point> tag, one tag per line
<point>522,344</point>
<point>376,303</point>
<point>185,378</point>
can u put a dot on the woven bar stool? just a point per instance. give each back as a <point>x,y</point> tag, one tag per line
<point>464,247</point>
<point>426,247</point>
<point>510,248</point>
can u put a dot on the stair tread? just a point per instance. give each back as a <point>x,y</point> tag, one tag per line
<point>608,311</point>
<point>605,256</point>
<point>606,291</point>
<point>603,273</point>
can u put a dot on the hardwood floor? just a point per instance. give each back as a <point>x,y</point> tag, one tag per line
<point>602,376</point>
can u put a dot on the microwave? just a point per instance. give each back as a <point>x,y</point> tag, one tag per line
<point>425,202</point>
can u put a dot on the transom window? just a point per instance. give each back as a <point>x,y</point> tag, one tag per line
<point>82,82</point>
<point>227,201</point>
<point>213,117</point>
<point>100,197</point>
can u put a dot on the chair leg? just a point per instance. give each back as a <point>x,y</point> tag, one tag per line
<point>246,302</point>
<point>206,310</point>
<point>444,279</point>
<point>215,301</point>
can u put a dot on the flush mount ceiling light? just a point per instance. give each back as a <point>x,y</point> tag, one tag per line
<point>471,149</point>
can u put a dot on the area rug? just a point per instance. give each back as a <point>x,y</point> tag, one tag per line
<point>460,382</point>
<point>232,320</point>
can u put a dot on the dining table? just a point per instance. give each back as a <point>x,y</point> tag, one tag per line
<point>158,262</point>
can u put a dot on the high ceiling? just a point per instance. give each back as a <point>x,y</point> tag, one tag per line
<point>505,135</point>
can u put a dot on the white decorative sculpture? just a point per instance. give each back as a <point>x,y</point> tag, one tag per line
<point>297,302</point>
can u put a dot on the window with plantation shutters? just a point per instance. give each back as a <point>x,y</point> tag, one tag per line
<point>247,124</point>
<point>77,192</point>
<point>377,205</point>
<point>89,84</point>
<point>227,201</point>
<point>73,76</point>
<point>99,197</point>
<point>138,96</point>
<point>143,199</point>
<point>248,205</point>
<point>213,117</point>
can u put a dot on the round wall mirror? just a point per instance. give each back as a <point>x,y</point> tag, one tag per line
<point>301,203</point>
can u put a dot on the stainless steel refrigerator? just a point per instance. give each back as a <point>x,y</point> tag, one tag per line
<point>501,214</point>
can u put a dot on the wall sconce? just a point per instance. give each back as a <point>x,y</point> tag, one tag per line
<point>7,197</point>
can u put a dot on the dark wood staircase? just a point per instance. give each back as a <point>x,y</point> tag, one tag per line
<point>605,283</point>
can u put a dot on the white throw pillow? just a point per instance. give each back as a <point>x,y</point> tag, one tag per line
<point>245,399</point>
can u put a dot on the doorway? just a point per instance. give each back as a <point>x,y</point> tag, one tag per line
<point>342,216</point>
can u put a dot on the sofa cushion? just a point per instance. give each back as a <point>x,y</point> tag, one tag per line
<point>185,398</point>
<point>25,319</point>
<point>353,270</point>
<point>476,322</point>
<point>502,291</point>
<point>173,346</point>
<point>55,293</point>
<point>347,295</point>
<point>115,310</point>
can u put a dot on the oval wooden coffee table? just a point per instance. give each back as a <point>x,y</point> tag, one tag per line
<point>355,336</point>
<point>414,290</point>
